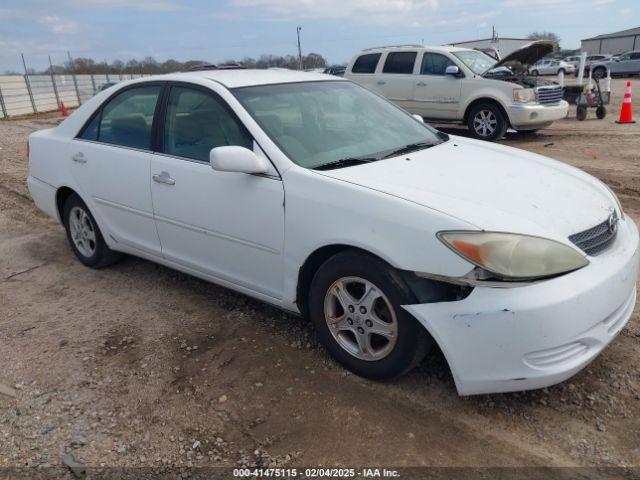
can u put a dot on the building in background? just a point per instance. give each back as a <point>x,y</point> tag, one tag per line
<point>503,46</point>
<point>613,43</point>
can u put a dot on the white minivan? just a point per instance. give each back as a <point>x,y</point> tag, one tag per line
<point>450,84</point>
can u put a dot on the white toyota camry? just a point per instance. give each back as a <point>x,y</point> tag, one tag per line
<point>316,195</point>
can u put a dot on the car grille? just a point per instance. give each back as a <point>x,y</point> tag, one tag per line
<point>550,95</point>
<point>596,239</point>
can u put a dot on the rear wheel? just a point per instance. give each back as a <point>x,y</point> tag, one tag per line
<point>561,70</point>
<point>581,113</point>
<point>599,72</point>
<point>535,73</point>
<point>355,304</point>
<point>84,236</point>
<point>487,122</point>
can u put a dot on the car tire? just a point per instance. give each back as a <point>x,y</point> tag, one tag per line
<point>564,72</point>
<point>366,296</point>
<point>535,73</point>
<point>581,113</point>
<point>599,73</point>
<point>85,237</point>
<point>487,122</point>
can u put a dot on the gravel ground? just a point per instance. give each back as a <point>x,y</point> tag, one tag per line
<point>139,365</point>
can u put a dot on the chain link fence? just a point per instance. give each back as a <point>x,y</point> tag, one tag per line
<point>28,94</point>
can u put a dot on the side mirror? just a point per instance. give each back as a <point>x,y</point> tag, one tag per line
<point>452,70</point>
<point>236,159</point>
<point>418,118</point>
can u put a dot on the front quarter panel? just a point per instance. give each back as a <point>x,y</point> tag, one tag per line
<point>478,87</point>
<point>322,211</point>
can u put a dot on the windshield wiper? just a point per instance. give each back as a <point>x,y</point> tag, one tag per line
<point>345,162</point>
<point>412,147</point>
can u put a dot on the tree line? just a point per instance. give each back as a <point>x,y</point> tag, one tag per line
<point>148,65</point>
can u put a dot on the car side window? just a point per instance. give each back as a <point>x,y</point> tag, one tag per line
<point>635,56</point>
<point>366,63</point>
<point>435,64</point>
<point>399,62</point>
<point>127,119</point>
<point>626,56</point>
<point>197,121</point>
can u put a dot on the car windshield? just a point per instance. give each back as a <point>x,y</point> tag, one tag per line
<point>330,123</point>
<point>478,62</point>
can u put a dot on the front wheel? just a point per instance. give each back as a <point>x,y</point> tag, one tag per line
<point>535,73</point>
<point>599,73</point>
<point>355,304</point>
<point>487,122</point>
<point>84,236</point>
<point>561,70</point>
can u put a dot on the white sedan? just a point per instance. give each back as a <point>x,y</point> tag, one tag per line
<point>314,194</point>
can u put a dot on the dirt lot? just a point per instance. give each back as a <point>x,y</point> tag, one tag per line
<point>139,365</point>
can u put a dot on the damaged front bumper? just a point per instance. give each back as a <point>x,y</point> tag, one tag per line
<point>511,339</point>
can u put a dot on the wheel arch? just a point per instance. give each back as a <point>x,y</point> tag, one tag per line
<point>311,265</point>
<point>490,100</point>
<point>425,290</point>
<point>62,194</point>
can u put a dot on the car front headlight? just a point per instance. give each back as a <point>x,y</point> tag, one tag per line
<point>524,95</point>
<point>514,256</point>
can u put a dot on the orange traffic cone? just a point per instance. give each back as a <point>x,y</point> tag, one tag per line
<point>63,109</point>
<point>626,114</point>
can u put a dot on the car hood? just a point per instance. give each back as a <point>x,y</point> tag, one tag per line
<point>527,55</point>
<point>490,187</point>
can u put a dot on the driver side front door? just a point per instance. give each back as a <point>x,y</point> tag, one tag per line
<point>227,225</point>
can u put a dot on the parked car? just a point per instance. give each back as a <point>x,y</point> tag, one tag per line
<point>318,196</point>
<point>552,67</point>
<point>591,60</point>
<point>337,70</point>
<point>626,64</point>
<point>573,60</point>
<point>459,85</point>
<point>105,85</point>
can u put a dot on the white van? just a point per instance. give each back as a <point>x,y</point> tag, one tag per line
<point>450,84</point>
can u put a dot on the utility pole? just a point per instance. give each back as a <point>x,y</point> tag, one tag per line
<point>299,49</point>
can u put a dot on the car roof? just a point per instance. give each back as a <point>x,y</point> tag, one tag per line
<point>249,77</point>
<point>443,48</point>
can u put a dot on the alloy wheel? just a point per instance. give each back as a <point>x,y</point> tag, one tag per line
<point>82,231</point>
<point>360,318</point>
<point>485,123</point>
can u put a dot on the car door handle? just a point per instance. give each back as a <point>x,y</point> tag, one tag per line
<point>421,84</point>
<point>79,158</point>
<point>163,177</point>
<point>381,82</point>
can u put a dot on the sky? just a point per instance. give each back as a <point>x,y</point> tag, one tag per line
<point>218,30</point>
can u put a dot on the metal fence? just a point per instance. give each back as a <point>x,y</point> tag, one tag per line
<point>27,94</point>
